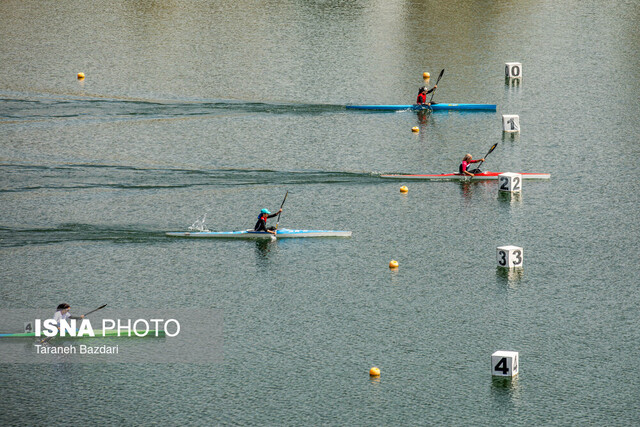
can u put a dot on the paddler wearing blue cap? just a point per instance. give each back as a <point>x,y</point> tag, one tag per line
<point>261,225</point>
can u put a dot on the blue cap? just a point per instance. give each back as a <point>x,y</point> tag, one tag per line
<point>265,211</point>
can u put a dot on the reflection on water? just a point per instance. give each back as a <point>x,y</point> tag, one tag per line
<point>512,82</point>
<point>423,117</point>
<point>508,197</point>
<point>264,247</point>
<point>467,186</point>
<point>505,391</point>
<point>509,276</point>
<point>510,136</point>
<point>396,278</point>
<point>504,383</point>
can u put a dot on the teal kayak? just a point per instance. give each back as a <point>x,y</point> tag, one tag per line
<point>441,106</point>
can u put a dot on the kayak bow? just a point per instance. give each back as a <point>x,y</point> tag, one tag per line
<point>460,177</point>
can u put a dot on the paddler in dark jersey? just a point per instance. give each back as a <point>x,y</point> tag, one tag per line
<point>261,225</point>
<point>466,163</point>
<point>422,95</point>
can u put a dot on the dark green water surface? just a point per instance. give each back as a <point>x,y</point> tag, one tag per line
<point>219,108</point>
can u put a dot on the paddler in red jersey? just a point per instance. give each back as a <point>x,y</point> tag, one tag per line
<point>424,91</point>
<point>466,162</point>
<point>422,95</point>
<point>261,225</point>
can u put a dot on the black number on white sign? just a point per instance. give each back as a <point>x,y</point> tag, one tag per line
<point>503,260</point>
<point>502,366</point>
<point>518,257</point>
<point>516,183</point>
<point>503,183</point>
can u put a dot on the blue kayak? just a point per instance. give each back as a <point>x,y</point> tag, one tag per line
<point>418,107</point>
<point>250,234</point>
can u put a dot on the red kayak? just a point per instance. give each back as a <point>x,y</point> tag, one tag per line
<point>461,177</point>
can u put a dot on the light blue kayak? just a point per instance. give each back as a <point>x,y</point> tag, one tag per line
<point>418,107</point>
<point>250,234</point>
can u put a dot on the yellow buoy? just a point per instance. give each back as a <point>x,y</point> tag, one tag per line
<point>393,264</point>
<point>415,129</point>
<point>426,75</point>
<point>404,189</point>
<point>374,372</point>
<point>80,76</point>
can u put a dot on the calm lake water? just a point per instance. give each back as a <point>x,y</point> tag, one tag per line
<point>219,108</point>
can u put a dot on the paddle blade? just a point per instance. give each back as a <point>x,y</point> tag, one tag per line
<point>493,147</point>
<point>434,89</point>
<point>285,199</point>
<point>99,308</point>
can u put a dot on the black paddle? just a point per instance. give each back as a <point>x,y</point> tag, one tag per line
<point>85,315</point>
<point>434,89</point>
<point>279,213</point>
<point>92,311</point>
<point>493,147</point>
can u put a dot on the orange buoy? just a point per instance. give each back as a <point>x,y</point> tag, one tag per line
<point>393,264</point>
<point>415,129</point>
<point>404,189</point>
<point>374,372</point>
<point>80,76</point>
